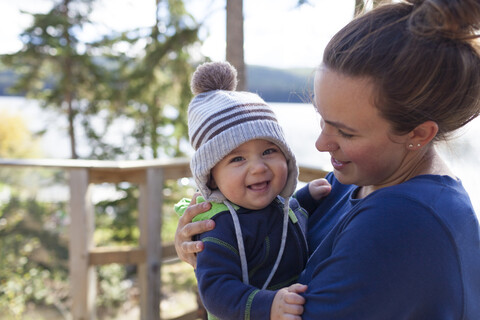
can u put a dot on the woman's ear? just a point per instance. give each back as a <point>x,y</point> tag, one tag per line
<point>422,134</point>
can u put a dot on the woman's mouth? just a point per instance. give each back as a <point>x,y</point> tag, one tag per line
<point>337,164</point>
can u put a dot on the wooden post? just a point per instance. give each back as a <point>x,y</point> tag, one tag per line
<point>150,212</point>
<point>82,224</point>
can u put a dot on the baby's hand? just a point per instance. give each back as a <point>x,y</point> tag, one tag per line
<point>288,304</point>
<point>319,188</point>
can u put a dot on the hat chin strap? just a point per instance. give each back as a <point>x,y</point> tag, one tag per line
<point>241,247</point>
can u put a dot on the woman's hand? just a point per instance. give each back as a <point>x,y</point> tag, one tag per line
<point>186,229</point>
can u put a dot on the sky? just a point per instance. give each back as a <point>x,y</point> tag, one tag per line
<point>277,33</point>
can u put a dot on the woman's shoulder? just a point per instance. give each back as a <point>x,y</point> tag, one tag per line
<point>430,190</point>
<point>425,201</point>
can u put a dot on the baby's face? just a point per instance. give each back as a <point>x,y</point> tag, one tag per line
<point>252,175</point>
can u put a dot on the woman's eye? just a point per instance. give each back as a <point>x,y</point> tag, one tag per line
<point>345,135</point>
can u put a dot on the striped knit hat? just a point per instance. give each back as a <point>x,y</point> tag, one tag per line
<point>221,119</point>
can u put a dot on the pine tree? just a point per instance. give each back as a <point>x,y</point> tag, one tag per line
<point>54,66</point>
<point>155,89</point>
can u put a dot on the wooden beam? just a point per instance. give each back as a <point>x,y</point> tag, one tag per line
<point>103,165</point>
<point>132,171</point>
<point>122,255</point>
<point>83,278</point>
<point>168,252</point>
<point>116,176</point>
<point>307,174</point>
<point>127,255</point>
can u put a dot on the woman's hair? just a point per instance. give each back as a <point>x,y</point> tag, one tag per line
<point>423,58</point>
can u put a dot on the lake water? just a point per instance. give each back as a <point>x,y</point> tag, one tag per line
<point>301,125</point>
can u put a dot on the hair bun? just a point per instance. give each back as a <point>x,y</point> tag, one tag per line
<point>214,76</point>
<point>454,19</point>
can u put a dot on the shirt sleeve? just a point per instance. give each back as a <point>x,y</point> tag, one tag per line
<point>390,260</point>
<point>219,277</point>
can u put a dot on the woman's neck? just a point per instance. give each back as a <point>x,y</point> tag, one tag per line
<point>432,163</point>
<point>429,162</point>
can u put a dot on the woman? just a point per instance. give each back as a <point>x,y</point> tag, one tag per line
<point>397,238</point>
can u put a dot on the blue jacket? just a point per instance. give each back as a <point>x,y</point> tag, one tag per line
<point>218,270</point>
<point>409,251</point>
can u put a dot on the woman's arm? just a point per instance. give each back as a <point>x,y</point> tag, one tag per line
<point>186,229</point>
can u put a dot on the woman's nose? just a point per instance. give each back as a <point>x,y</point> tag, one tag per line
<point>325,143</point>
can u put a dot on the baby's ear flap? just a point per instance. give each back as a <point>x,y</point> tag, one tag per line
<point>211,183</point>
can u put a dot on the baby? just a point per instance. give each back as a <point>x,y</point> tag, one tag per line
<point>244,167</point>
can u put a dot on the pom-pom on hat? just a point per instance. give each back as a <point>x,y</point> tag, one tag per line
<point>221,119</point>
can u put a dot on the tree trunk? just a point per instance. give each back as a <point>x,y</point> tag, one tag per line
<point>235,41</point>
<point>68,95</point>
<point>71,125</point>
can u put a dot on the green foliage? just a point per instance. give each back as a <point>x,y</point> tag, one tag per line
<point>54,66</point>
<point>173,192</point>
<point>117,220</point>
<point>91,83</point>
<point>113,287</point>
<point>154,88</point>
<point>33,256</point>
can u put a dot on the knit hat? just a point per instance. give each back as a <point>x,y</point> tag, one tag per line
<point>221,119</point>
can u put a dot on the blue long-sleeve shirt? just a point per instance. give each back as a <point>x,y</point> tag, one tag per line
<point>409,251</point>
<point>219,273</point>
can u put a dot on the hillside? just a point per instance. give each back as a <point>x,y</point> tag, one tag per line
<point>273,85</point>
<point>280,85</point>
<point>7,78</point>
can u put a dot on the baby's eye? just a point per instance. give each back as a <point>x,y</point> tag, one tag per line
<point>236,159</point>
<point>270,151</point>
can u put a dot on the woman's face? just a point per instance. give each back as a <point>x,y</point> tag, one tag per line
<point>363,149</point>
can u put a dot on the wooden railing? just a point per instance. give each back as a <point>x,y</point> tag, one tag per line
<point>149,254</point>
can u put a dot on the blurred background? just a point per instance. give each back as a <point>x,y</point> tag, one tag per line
<point>109,80</point>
